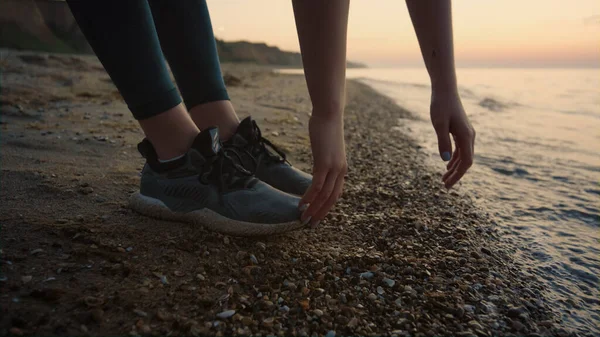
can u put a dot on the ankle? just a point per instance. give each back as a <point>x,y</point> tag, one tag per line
<point>171,132</point>
<point>220,114</point>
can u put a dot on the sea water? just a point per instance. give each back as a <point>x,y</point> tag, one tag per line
<point>537,168</point>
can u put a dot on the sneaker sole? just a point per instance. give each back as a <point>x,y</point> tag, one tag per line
<point>209,219</point>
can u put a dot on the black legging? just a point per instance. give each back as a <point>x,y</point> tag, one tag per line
<point>124,36</point>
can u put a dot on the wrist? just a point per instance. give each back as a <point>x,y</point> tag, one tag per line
<point>444,83</point>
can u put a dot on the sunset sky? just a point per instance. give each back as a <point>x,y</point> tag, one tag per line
<point>487,33</point>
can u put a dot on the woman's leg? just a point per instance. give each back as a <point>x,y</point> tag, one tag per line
<point>123,36</point>
<point>187,39</point>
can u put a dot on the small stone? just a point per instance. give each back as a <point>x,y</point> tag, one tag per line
<point>200,277</point>
<point>163,280</point>
<point>547,324</point>
<point>86,190</point>
<point>518,325</point>
<point>226,240</point>
<point>253,259</point>
<point>398,302</point>
<point>268,322</point>
<point>318,312</point>
<point>330,333</point>
<point>476,255</point>
<point>367,275</point>
<point>140,313</point>
<point>475,325</point>
<point>380,290</point>
<point>129,249</point>
<point>343,298</point>
<point>178,273</point>
<point>486,251</point>
<point>284,308</point>
<point>26,279</point>
<point>389,282</point>
<point>15,331</point>
<point>121,250</point>
<point>37,251</point>
<point>261,245</point>
<point>469,308</point>
<point>226,314</point>
<point>372,297</point>
<point>515,312</point>
<point>146,329</point>
<point>353,322</point>
<point>275,133</point>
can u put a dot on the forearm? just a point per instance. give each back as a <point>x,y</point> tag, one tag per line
<point>322,30</point>
<point>432,20</point>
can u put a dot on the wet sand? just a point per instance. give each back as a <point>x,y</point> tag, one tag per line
<point>399,255</point>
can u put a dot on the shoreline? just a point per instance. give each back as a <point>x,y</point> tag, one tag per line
<point>398,256</point>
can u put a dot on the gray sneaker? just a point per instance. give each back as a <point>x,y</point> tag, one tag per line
<point>207,187</point>
<point>268,166</point>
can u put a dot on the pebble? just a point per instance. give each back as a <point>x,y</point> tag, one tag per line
<point>253,259</point>
<point>367,275</point>
<point>37,251</point>
<point>469,308</point>
<point>15,331</point>
<point>486,251</point>
<point>372,297</point>
<point>200,277</point>
<point>318,312</point>
<point>140,313</point>
<point>380,290</point>
<point>398,302</point>
<point>389,282</point>
<point>284,308</point>
<point>353,322</point>
<point>164,280</point>
<point>475,325</point>
<point>515,312</point>
<point>226,240</point>
<point>330,333</point>
<point>26,279</point>
<point>268,322</point>
<point>226,314</point>
<point>98,315</point>
<point>128,249</point>
<point>518,325</point>
<point>261,245</point>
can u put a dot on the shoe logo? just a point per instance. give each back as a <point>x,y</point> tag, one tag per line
<point>216,143</point>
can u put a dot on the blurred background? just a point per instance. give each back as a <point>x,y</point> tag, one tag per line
<point>529,79</point>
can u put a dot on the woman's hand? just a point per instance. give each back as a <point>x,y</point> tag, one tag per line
<point>448,117</point>
<point>329,166</point>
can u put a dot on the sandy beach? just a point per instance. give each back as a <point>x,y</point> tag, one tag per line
<point>399,255</point>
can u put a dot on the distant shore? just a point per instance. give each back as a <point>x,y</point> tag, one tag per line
<point>399,255</point>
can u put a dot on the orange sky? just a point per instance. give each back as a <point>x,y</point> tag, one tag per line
<point>487,33</point>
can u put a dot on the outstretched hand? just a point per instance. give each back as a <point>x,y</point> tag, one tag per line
<point>448,117</point>
<point>329,167</point>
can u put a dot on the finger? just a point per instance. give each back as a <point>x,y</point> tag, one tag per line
<point>328,204</point>
<point>466,160</point>
<point>455,157</point>
<point>442,129</point>
<point>321,197</point>
<point>452,164</point>
<point>315,187</point>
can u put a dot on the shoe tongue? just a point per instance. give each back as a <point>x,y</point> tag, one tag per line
<point>207,142</point>
<point>246,129</point>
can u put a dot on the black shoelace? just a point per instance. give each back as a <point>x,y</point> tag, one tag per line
<point>223,170</point>
<point>259,149</point>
